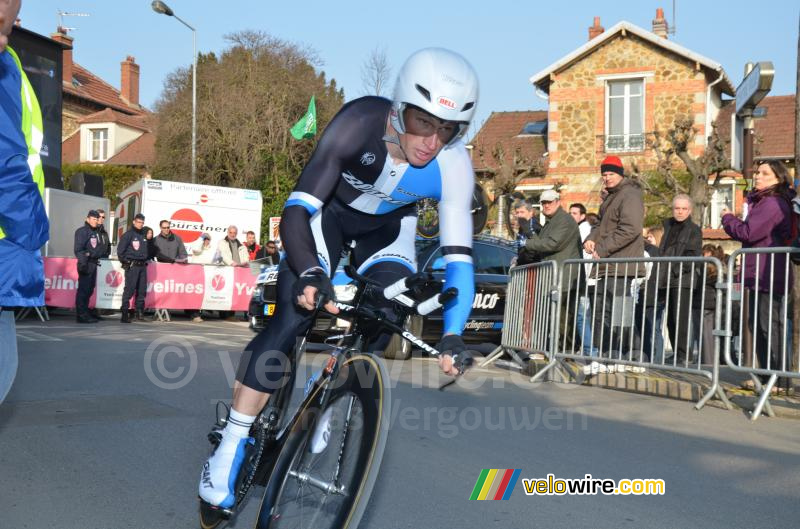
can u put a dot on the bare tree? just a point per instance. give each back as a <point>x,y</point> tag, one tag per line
<point>376,73</point>
<point>675,143</point>
<point>504,173</point>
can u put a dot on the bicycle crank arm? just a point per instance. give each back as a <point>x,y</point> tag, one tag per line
<point>324,486</point>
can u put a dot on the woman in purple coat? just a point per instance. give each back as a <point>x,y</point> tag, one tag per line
<point>768,224</point>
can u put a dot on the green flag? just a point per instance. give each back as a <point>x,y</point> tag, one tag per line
<point>307,126</point>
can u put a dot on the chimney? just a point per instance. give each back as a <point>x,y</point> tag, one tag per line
<point>596,29</point>
<point>129,84</point>
<point>660,26</point>
<point>61,36</point>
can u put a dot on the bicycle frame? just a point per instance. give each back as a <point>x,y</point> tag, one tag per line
<point>267,425</point>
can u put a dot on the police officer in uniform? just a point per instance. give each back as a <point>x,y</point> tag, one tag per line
<point>132,253</point>
<point>89,247</point>
<point>103,238</point>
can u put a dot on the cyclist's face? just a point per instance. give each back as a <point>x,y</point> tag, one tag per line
<point>425,135</point>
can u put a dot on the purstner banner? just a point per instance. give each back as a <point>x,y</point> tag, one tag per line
<point>169,286</point>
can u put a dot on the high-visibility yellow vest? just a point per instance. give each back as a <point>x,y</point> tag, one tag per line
<point>32,126</point>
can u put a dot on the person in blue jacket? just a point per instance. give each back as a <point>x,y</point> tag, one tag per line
<point>23,221</point>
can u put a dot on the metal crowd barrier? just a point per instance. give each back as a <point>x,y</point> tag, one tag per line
<point>762,299</point>
<point>621,323</point>
<point>531,299</point>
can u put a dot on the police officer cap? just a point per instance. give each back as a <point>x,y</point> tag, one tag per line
<point>138,216</point>
<point>93,213</point>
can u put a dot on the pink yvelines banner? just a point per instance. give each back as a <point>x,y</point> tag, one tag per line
<point>169,286</point>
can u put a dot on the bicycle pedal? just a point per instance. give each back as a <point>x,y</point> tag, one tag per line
<point>222,512</point>
<point>215,437</point>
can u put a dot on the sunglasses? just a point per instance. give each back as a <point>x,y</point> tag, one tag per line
<point>420,123</point>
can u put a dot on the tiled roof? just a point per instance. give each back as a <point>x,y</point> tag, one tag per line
<point>504,128</point>
<point>92,88</point>
<point>112,116</point>
<point>542,79</point>
<point>774,136</point>
<point>71,148</point>
<point>141,151</point>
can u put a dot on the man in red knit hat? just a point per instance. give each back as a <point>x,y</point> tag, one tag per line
<point>619,234</point>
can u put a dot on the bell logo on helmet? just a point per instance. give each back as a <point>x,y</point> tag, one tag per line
<point>446,102</point>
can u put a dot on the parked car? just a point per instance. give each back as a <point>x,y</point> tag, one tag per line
<point>492,258</point>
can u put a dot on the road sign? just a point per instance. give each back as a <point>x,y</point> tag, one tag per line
<point>754,87</point>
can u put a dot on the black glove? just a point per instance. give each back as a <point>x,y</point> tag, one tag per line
<point>318,279</point>
<point>453,345</point>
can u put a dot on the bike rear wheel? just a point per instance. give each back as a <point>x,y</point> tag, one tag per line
<point>328,484</point>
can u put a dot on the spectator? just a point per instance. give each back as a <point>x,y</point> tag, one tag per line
<point>169,246</point>
<point>559,238</point>
<point>89,248</point>
<point>593,219</point>
<point>202,251</point>
<point>251,245</point>
<point>619,234</point>
<point>527,220</point>
<point>171,249</point>
<point>231,251</point>
<point>151,243</point>
<point>269,254</point>
<point>649,316</point>
<point>706,302</point>
<point>133,254</point>
<point>585,291</point>
<point>24,227</point>
<point>768,224</point>
<point>682,238</point>
<point>102,234</point>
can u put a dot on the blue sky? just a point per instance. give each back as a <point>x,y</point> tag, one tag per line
<point>507,41</point>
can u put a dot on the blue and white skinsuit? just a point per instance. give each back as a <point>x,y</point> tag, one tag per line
<point>352,191</point>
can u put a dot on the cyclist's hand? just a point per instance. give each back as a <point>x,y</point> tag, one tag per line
<point>312,284</point>
<point>455,359</point>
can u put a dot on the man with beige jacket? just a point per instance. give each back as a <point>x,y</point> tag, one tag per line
<point>231,250</point>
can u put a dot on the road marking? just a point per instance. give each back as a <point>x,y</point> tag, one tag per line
<point>31,336</point>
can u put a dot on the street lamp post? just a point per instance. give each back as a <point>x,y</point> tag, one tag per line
<point>162,8</point>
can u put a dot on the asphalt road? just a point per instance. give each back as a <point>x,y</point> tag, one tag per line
<point>105,428</point>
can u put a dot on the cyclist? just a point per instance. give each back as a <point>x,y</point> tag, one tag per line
<point>375,160</point>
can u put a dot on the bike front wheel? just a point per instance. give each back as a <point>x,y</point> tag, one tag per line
<point>325,473</point>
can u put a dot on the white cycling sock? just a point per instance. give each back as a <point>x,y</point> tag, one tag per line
<point>219,472</point>
<point>238,425</point>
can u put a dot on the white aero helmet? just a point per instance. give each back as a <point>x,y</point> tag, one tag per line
<point>440,82</point>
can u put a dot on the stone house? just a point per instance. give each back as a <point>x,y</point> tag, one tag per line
<point>608,97</point>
